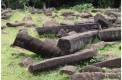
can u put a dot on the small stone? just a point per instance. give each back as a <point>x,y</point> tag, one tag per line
<point>62,33</point>
<point>69,69</point>
<point>26,62</point>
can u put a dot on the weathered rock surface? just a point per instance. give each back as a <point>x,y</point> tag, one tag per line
<point>75,42</point>
<point>6,13</point>
<point>76,28</point>
<point>63,60</point>
<point>95,76</point>
<point>37,46</point>
<point>62,33</point>
<point>113,63</point>
<point>85,15</point>
<point>91,68</point>
<point>102,21</point>
<point>68,69</point>
<point>110,34</point>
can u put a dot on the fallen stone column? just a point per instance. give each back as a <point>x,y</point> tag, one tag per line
<point>113,63</point>
<point>77,41</point>
<point>63,60</point>
<point>111,34</point>
<point>76,28</point>
<point>95,76</point>
<point>45,49</point>
<point>91,68</point>
<point>15,24</point>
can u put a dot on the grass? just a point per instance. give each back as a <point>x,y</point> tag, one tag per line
<point>11,57</point>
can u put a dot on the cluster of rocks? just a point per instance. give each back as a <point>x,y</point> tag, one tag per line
<point>6,13</point>
<point>66,49</point>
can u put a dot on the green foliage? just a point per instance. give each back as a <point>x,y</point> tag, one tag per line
<point>82,7</point>
<point>106,3</point>
<point>24,3</point>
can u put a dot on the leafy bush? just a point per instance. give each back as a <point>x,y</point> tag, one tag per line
<point>82,7</point>
<point>106,3</point>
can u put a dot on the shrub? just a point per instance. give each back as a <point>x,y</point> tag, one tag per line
<point>82,7</point>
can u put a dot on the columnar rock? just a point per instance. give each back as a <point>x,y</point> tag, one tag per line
<point>75,42</point>
<point>76,28</point>
<point>113,63</point>
<point>110,34</point>
<point>30,43</point>
<point>91,68</point>
<point>15,24</point>
<point>95,76</point>
<point>63,60</point>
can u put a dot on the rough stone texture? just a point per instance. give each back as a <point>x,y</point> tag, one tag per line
<point>63,60</point>
<point>62,33</point>
<point>111,34</point>
<point>77,28</point>
<point>30,43</point>
<point>51,41</point>
<point>68,69</point>
<point>95,76</point>
<point>113,63</point>
<point>91,68</point>
<point>85,15</point>
<point>6,13</point>
<point>102,21</point>
<point>75,42</point>
<point>26,62</point>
